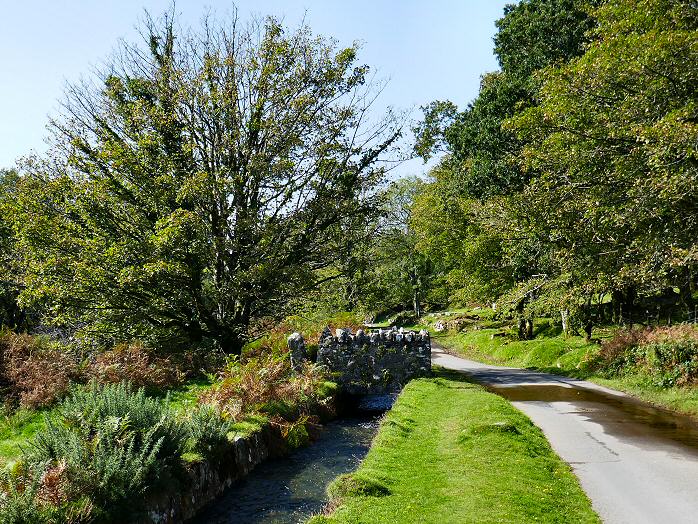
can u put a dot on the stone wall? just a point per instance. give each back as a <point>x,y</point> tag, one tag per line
<point>206,480</point>
<point>379,362</point>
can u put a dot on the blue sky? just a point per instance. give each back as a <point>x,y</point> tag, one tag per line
<point>428,50</point>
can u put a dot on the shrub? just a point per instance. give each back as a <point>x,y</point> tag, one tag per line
<point>135,364</point>
<point>18,504</point>
<point>669,355</point>
<point>109,446</point>
<point>267,385</point>
<point>208,431</point>
<point>88,406</point>
<point>34,371</point>
<point>35,495</point>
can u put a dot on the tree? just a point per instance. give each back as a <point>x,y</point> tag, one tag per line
<point>450,229</point>
<point>400,275</point>
<point>201,183</point>
<point>468,216</point>
<point>534,34</point>
<point>11,314</point>
<point>613,140</point>
<point>531,35</point>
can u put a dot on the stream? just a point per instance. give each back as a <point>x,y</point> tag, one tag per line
<point>291,489</point>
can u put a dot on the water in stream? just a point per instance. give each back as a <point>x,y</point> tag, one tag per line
<point>290,489</point>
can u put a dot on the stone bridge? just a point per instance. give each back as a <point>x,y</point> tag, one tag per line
<point>381,361</point>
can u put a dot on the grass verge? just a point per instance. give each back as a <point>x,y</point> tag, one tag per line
<point>449,451</point>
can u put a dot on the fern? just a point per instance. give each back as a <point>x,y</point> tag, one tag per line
<point>208,431</point>
<point>116,444</point>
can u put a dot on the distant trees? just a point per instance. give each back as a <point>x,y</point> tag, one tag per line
<point>209,180</point>
<point>400,271</point>
<point>11,313</point>
<point>200,183</point>
<point>481,174</point>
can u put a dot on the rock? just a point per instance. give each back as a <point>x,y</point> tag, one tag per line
<point>299,354</point>
<point>326,334</point>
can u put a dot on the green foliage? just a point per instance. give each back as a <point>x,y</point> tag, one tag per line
<point>18,504</point>
<point>668,356</point>
<point>11,314</point>
<point>104,449</point>
<point>208,431</point>
<point>533,34</point>
<point>88,407</point>
<point>463,218</point>
<point>400,274</point>
<point>570,179</point>
<point>429,132</point>
<point>468,256</point>
<point>613,139</point>
<point>485,152</point>
<point>200,185</point>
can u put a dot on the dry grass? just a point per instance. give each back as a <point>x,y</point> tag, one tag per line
<point>265,384</point>
<point>136,364</point>
<point>33,371</point>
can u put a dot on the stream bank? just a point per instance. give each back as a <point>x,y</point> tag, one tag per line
<point>290,489</point>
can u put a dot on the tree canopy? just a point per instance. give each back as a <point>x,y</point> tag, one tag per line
<point>200,182</point>
<point>576,163</point>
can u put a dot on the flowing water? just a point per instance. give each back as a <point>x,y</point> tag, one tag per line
<point>291,489</point>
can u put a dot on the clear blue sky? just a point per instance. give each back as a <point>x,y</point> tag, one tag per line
<point>428,49</point>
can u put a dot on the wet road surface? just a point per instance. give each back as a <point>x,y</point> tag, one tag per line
<point>638,464</point>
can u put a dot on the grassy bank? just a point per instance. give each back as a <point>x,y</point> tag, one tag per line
<point>569,356</point>
<point>451,452</point>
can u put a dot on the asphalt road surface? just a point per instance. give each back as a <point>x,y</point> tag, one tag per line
<point>638,464</point>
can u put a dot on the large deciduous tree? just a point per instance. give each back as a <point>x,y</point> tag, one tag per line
<point>200,182</point>
<point>614,140</point>
<point>531,35</point>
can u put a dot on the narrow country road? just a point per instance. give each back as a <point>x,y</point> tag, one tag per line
<point>638,464</point>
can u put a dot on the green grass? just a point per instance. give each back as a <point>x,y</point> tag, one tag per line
<point>552,352</point>
<point>546,351</point>
<point>449,451</point>
<point>185,396</point>
<point>17,429</point>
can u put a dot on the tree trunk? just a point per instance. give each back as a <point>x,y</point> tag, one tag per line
<point>529,329</point>
<point>415,304</point>
<point>565,315</point>
<point>588,327</point>
<point>523,329</point>
<point>231,345</point>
